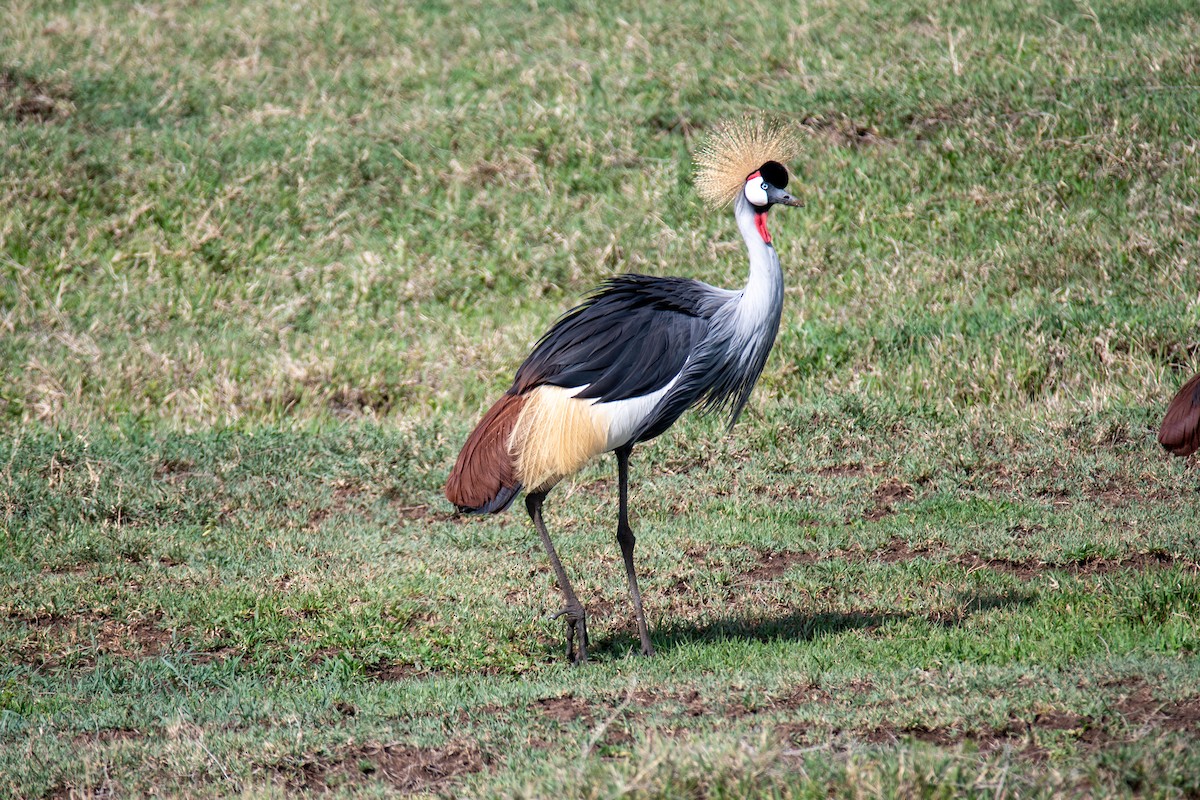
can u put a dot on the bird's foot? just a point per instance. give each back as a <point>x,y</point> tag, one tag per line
<point>647,649</point>
<point>576,628</point>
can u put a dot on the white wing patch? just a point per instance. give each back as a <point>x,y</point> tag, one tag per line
<point>626,417</point>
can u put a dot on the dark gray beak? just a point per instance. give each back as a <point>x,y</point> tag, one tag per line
<point>779,196</point>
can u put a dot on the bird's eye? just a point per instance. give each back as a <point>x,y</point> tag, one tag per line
<point>764,186</point>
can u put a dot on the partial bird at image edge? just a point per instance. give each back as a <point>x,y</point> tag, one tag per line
<point>1180,430</point>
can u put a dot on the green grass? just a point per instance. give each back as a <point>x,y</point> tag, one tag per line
<point>263,267</point>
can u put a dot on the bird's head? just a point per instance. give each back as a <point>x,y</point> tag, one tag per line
<point>746,157</point>
<point>766,186</point>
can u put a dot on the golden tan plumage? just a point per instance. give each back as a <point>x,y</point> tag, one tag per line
<point>736,149</point>
<point>555,436</point>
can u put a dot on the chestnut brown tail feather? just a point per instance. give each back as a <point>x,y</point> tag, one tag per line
<point>484,480</point>
<point>1180,431</point>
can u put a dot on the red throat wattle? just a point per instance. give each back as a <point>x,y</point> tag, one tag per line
<point>760,222</point>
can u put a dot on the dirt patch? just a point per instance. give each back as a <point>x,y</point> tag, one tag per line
<point>667,122</point>
<point>773,563</point>
<point>888,734</point>
<point>92,634</point>
<point>892,490</point>
<point>138,638</point>
<point>26,99</point>
<point>842,131</point>
<point>693,704</point>
<point>567,708</point>
<point>219,655</point>
<point>1094,565</point>
<point>343,500</point>
<point>1025,570</point>
<point>1141,708</point>
<point>1060,721</point>
<point>405,768</point>
<point>898,550</point>
<point>802,696</point>
<point>690,701</point>
<point>79,568</point>
<point>843,471</point>
<point>107,736</point>
<point>1122,490</point>
<point>393,671</point>
<point>463,518</point>
<point>927,123</point>
<point>793,732</point>
<point>1029,569</point>
<point>353,401</point>
<point>601,611</point>
<point>413,512</point>
<point>885,496</point>
<point>173,469</point>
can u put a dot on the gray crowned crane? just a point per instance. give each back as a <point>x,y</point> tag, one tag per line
<point>1180,431</point>
<point>621,367</point>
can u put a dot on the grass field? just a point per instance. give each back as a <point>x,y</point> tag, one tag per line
<point>262,267</point>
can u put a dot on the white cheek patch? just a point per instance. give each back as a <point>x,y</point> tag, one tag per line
<point>755,192</point>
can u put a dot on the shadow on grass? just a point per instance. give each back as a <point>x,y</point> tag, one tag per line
<point>803,627</point>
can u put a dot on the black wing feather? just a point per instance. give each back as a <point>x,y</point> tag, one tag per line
<point>628,339</point>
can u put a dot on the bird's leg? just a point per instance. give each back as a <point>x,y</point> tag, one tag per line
<point>576,618</point>
<point>626,539</point>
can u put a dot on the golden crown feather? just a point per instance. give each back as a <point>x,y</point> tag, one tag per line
<point>734,150</point>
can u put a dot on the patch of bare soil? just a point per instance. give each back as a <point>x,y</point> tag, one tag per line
<point>693,704</point>
<point>885,496</point>
<point>773,563</point>
<point>929,122</point>
<point>218,655</point>
<point>407,769</point>
<point>25,99</point>
<point>393,671</point>
<point>1025,570</point>
<point>842,131</point>
<point>107,736</point>
<point>666,122</point>
<point>1139,562</point>
<point>690,701</point>
<point>1138,709</point>
<point>420,511</point>
<point>802,696</point>
<point>353,401</point>
<point>1141,708</point>
<point>78,568</point>
<point>71,790</point>
<point>844,471</point>
<point>343,500</point>
<point>136,638</point>
<point>174,469</point>
<point>567,708</point>
<point>897,550</point>
<point>889,734</point>
<point>601,611</point>
<point>1092,565</point>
